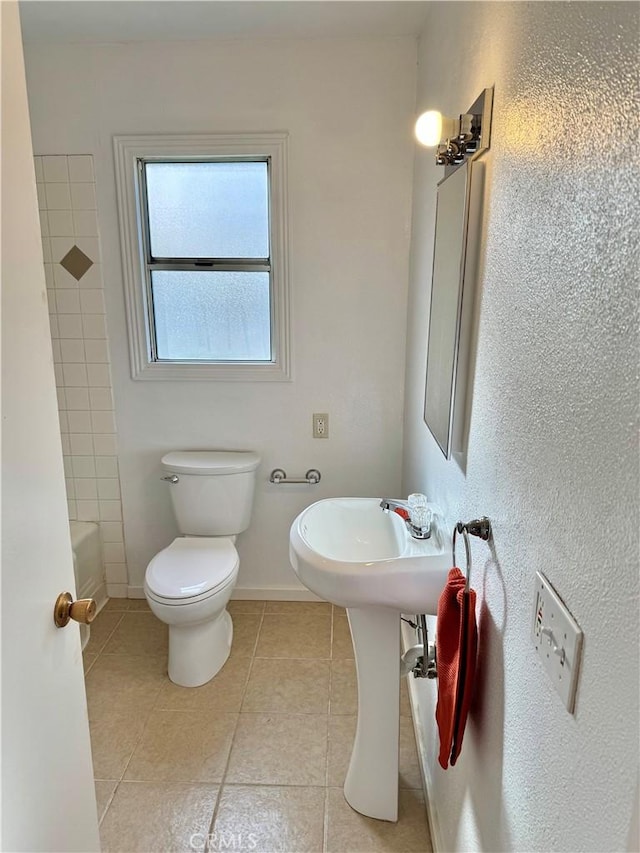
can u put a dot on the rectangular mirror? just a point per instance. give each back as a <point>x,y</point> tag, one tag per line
<point>454,266</point>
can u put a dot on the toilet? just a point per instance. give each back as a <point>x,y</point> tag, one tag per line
<point>189,583</point>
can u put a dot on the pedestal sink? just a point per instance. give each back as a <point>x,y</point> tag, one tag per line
<point>348,551</point>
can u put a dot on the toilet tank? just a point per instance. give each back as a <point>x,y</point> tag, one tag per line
<point>213,495</point>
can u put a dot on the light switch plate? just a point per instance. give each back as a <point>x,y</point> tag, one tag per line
<point>558,640</point>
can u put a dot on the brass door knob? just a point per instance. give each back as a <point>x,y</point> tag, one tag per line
<point>83,610</point>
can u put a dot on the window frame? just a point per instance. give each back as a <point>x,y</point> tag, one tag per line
<point>130,153</point>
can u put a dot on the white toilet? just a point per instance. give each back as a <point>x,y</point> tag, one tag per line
<point>189,583</point>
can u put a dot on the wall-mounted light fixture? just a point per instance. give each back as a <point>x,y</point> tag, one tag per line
<point>456,139</point>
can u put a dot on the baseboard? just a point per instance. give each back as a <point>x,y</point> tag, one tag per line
<point>269,593</point>
<point>408,640</point>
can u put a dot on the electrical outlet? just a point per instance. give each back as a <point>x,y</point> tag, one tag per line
<point>558,640</point>
<point>320,425</point>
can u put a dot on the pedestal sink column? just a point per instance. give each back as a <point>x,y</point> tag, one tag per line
<point>371,786</point>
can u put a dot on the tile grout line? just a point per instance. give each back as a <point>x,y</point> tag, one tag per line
<point>223,778</point>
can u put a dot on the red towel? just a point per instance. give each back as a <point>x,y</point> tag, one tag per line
<point>456,649</point>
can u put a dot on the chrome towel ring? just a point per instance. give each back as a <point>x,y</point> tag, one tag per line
<point>480,527</point>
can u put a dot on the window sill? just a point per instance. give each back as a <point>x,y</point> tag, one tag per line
<point>180,371</point>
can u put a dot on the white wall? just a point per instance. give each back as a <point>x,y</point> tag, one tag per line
<point>552,456</point>
<point>347,106</point>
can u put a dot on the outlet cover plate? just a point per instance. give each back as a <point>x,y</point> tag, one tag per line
<point>320,425</point>
<point>561,649</point>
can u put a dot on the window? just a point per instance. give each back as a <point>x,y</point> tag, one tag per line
<point>203,226</point>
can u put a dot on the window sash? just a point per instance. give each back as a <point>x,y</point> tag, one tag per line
<point>198,264</point>
<point>142,178</point>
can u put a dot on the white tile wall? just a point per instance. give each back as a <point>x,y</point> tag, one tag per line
<point>67,202</point>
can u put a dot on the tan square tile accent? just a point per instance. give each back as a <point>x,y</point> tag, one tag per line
<point>104,792</point>
<point>299,608</point>
<point>183,746</point>
<point>341,644</point>
<point>117,605</point>
<point>76,262</point>
<point>139,634</point>
<point>223,693</point>
<point>269,820</point>
<point>175,815</point>
<point>286,686</point>
<point>284,636</point>
<point>279,749</point>
<point>344,689</point>
<point>349,830</point>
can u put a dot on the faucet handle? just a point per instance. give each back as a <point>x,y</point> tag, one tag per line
<point>419,511</point>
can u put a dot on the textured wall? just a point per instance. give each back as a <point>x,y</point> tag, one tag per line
<point>552,455</point>
<point>347,105</point>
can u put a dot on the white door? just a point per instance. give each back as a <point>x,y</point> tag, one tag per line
<point>48,800</point>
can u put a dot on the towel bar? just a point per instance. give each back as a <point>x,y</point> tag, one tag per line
<point>311,478</point>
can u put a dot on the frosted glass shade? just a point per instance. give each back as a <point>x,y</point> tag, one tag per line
<point>432,128</point>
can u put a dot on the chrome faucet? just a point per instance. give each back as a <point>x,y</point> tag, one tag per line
<point>393,504</point>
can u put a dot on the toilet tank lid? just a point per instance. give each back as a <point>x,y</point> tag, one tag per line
<point>210,462</point>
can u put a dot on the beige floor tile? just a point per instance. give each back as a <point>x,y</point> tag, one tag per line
<point>88,660</point>
<point>245,606</point>
<point>409,767</point>
<point>183,746</point>
<point>114,736</point>
<point>139,634</point>
<point>102,628</point>
<point>284,636</point>
<point>341,645</point>
<point>279,749</point>
<point>342,730</point>
<point>347,830</point>
<point>159,817</point>
<point>405,704</point>
<point>269,819</point>
<point>139,605</point>
<point>223,693</point>
<point>288,686</point>
<point>299,608</point>
<point>344,687</point>
<point>118,605</point>
<point>120,682</point>
<point>104,792</point>
<point>245,633</point>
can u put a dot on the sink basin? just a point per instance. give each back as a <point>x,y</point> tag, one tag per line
<point>348,551</point>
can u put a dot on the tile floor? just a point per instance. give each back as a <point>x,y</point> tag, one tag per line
<point>252,761</point>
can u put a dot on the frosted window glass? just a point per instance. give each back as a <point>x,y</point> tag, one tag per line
<point>208,210</point>
<point>212,316</point>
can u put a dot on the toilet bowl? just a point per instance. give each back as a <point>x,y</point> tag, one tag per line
<point>188,586</point>
<point>189,583</point>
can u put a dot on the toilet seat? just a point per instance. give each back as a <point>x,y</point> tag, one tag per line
<point>191,569</point>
